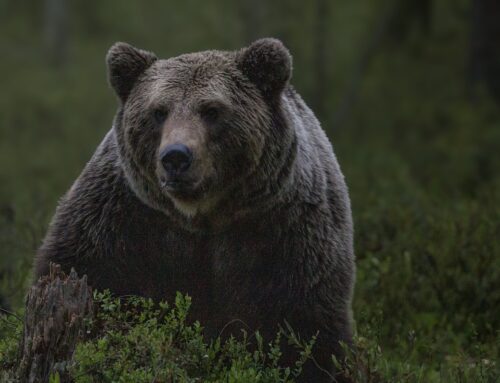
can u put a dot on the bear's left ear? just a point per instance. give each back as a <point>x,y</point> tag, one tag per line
<point>268,64</point>
<point>125,64</point>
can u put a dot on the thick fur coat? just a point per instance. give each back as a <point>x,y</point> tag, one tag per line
<point>258,230</point>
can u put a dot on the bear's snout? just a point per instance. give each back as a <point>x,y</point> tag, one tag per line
<point>176,159</point>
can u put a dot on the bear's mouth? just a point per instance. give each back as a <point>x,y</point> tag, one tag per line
<point>174,185</point>
<point>180,189</point>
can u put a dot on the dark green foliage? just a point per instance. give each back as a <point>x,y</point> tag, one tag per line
<point>138,341</point>
<point>134,340</point>
<point>10,333</point>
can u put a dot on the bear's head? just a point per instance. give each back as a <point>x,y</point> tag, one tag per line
<point>203,132</point>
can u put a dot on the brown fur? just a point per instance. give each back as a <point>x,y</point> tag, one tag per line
<point>262,231</point>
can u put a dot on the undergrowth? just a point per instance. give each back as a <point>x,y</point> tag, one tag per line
<point>136,340</point>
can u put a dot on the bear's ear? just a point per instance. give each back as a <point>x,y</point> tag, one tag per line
<point>268,64</point>
<point>125,64</point>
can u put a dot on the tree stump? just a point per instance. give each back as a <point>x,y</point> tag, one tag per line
<point>56,308</point>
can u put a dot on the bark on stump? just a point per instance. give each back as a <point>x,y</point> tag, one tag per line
<point>56,307</point>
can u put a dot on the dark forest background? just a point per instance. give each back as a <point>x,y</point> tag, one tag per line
<point>408,92</point>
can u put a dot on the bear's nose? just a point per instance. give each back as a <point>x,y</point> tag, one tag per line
<point>176,158</point>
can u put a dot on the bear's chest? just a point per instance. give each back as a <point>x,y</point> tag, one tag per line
<point>235,275</point>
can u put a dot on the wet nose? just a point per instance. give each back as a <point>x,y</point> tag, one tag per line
<point>176,158</point>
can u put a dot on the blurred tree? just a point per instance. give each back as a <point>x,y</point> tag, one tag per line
<point>407,14</point>
<point>56,31</point>
<point>6,232</point>
<point>252,14</point>
<point>375,40</point>
<point>484,53</point>
<point>3,302</point>
<point>320,56</point>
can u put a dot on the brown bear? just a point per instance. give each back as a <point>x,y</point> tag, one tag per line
<point>215,180</point>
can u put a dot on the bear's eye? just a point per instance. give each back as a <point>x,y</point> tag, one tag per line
<point>160,115</point>
<point>211,114</point>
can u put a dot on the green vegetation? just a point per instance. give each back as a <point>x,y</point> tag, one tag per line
<point>419,146</point>
<point>135,340</point>
<point>141,343</point>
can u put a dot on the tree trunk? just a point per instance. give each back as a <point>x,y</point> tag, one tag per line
<point>320,57</point>
<point>484,54</point>
<point>56,31</point>
<point>410,13</point>
<point>252,14</point>
<point>56,307</point>
<point>375,40</point>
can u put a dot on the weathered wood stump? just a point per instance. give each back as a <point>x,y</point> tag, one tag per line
<point>56,307</point>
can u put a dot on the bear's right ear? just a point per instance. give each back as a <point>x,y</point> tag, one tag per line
<point>125,64</point>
